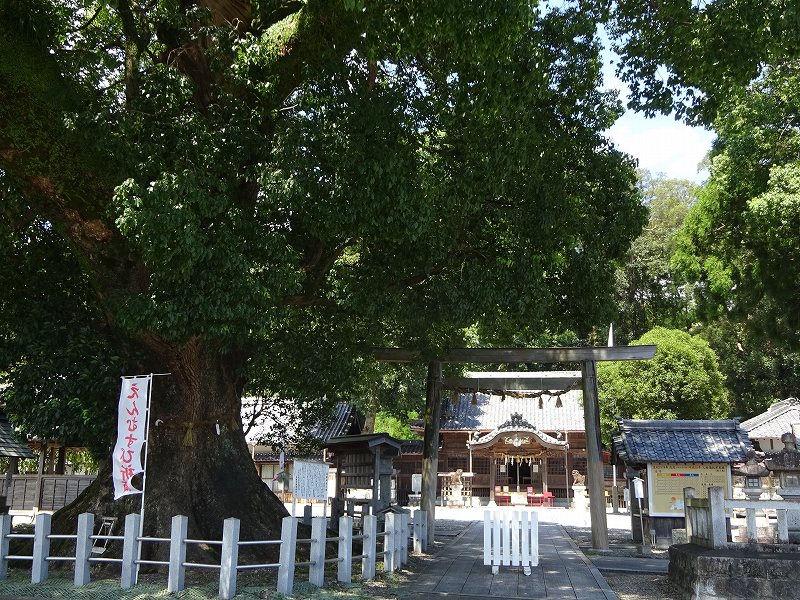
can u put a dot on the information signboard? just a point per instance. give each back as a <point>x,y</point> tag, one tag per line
<point>666,481</point>
<point>310,480</point>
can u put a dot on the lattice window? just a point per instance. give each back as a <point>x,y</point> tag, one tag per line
<point>457,462</point>
<point>481,465</point>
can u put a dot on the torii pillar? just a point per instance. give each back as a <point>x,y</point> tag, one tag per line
<point>587,356</point>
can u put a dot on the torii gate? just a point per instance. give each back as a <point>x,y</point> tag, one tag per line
<point>588,358</point>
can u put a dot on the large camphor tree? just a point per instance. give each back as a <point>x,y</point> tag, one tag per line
<point>252,194</point>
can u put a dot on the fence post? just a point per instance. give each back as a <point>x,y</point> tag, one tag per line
<point>404,538</point>
<point>177,553</point>
<point>229,559</point>
<point>288,545</point>
<point>688,495</point>
<point>345,568</point>
<point>130,546</point>
<point>370,544</point>
<point>388,542</point>
<point>716,506</point>
<point>316,570</point>
<point>5,530</point>
<point>416,530</point>
<point>83,548</point>
<point>41,547</point>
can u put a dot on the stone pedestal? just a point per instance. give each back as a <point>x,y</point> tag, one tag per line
<point>456,497</point>
<point>579,502</point>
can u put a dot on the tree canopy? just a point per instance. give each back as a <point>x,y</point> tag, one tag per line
<point>682,381</point>
<point>648,292</point>
<point>252,194</point>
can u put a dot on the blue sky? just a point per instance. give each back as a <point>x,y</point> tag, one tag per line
<point>661,144</point>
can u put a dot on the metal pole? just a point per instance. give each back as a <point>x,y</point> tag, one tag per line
<point>144,471</point>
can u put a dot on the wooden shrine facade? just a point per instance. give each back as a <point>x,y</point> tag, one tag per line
<point>514,442</point>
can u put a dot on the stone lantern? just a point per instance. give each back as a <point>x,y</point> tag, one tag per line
<point>786,464</point>
<point>752,471</point>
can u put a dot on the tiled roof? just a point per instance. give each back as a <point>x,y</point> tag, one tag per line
<point>776,421</point>
<point>344,420</point>
<point>411,447</point>
<point>10,445</point>
<point>491,411</point>
<point>639,442</point>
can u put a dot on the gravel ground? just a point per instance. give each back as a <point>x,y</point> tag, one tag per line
<point>641,586</point>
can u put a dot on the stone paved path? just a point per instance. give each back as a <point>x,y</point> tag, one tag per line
<point>456,571</point>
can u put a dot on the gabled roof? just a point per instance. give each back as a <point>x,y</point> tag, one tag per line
<point>10,444</point>
<point>776,421</point>
<point>344,420</point>
<point>490,411</point>
<point>638,442</point>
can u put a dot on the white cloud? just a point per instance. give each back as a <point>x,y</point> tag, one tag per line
<point>663,145</point>
<point>660,144</point>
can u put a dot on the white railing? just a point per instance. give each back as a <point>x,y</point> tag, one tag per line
<point>706,517</point>
<point>398,528</point>
<point>511,538</point>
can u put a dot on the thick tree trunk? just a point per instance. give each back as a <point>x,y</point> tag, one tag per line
<point>198,464</point>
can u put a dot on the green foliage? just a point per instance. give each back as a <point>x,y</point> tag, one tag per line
<point>292,192</point>
<point>758,372</point>
<point>396,427</point>
<point>739,239</point>
<point>648,294</point>
<point>691,56</point>
<point>682,381</point>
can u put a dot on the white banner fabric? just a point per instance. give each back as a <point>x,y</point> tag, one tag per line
<point>131,420</point>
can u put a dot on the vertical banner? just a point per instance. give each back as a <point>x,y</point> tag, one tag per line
<point>131,432</point>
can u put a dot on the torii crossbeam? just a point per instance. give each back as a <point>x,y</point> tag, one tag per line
<point>587,356</point>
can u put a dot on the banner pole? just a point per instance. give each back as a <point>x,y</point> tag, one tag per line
<point>144,475</point>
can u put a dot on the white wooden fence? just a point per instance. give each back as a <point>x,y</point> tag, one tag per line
<point>511,538</point>
<point>397,530</point>
<point>706,517</point>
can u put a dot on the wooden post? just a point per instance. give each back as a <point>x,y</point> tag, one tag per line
<point>40,477</point>
<point>430,445</point>
<point>130,546</point>
<point>83,548</point>
<point>544,475</point>
<point>177,554</point>
<point>594,458</point>
<point>229,559</point>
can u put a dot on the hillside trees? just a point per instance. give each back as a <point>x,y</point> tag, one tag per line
<point>649,292</point>
<point>682,381</point>
<point>254,194</point>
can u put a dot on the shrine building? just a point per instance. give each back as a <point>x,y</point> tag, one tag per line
<point>505,443</point>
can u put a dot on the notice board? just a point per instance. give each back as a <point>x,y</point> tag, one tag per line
<point>310,480</point>
<point>665,483</point>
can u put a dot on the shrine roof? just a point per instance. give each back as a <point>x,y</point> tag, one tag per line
<point>10,444</point>
<point>490,411</point>
<point>344,420</point>
<point>638,442</point>
<point>776,421</point>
